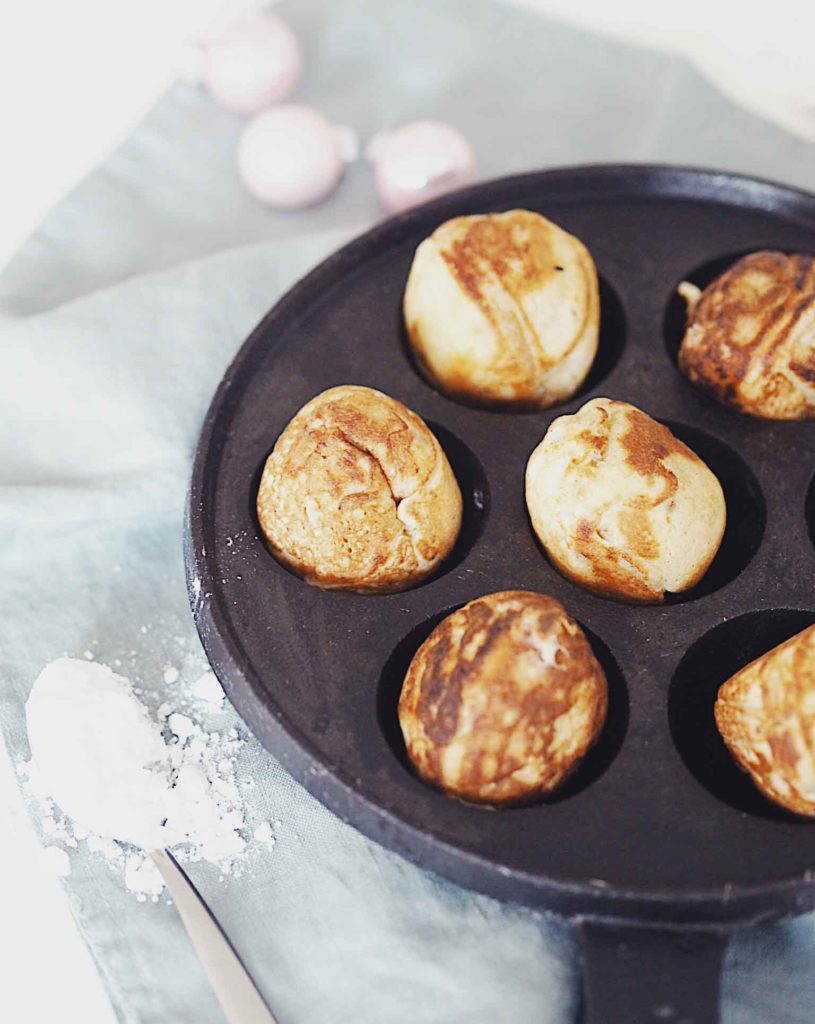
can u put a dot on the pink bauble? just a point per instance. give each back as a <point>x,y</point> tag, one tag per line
<point>419,161</point>
<point>291,156</point>
<point>252,64</point>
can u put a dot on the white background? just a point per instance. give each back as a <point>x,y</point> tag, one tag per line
<point>75,78</point>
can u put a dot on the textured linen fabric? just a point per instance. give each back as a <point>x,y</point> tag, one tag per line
<point>117,320</point>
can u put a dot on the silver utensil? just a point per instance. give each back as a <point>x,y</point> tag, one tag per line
<point>236,992</point>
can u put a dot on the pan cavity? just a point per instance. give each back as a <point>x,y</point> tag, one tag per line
<point>611,342</point>
<point>707,664</point>
<point>746,512</point>
<point>610,347</point>
<point>592,767</point>
<point>475,495</point>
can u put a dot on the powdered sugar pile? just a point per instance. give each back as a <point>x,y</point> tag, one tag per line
<point>104,771</point>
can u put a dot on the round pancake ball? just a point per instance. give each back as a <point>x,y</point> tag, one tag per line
<point>621,506</point>
<point>503,699</point>
<point>358,494</point>
<point>766,715</point>
<point>750,336</point>
<point>503,309</point>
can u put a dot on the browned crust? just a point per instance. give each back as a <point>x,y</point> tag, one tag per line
<point>616,581</point>
<point>737,346</point>
<point>514,248</point>
<point>648,444</point>
<point>358,455</point>
<point>475,659</point>
<point>766,716</point>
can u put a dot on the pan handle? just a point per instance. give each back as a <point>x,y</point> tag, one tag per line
<point>650,975</point>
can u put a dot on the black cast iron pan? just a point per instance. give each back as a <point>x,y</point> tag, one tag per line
<point>659,847</point>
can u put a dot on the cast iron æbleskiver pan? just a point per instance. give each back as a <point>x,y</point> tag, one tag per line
<point>659,847</point>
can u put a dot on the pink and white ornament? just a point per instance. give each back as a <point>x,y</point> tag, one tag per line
<point>291,157</point>
<point>419,161</point>
<point>252,64</point>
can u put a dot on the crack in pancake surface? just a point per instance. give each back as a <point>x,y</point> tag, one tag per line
<point>358,493</point>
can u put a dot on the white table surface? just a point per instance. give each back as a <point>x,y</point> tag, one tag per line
<point>66,99</point>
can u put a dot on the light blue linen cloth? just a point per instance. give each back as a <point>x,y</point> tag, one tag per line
<point>117,320</point>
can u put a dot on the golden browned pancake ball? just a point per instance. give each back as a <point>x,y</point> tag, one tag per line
<point>621,506</point>
<point>750,336</point>
<point>358,494</point>
<point>503,699</point>
<point>766,715</point>
<point>503,308</point>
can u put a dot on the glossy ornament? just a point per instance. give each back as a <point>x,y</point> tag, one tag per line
<point>419,161</point>
<point>254,63</point>
<point>292,157</point>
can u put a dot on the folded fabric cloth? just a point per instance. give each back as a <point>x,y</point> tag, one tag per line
<point>117,320</point>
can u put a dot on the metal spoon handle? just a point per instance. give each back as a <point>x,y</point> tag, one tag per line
<point>236,992</point>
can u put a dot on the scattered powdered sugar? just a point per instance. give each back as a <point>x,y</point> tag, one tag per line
<point>208,690</point>
<point>108,848</point>
<point>181,726</point>
<point>264,834</point>
<point>143,877</point>
<point>104,771</point>
<point>57,860</point>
